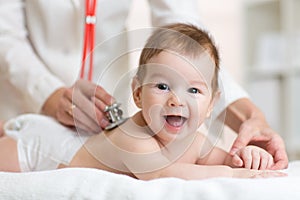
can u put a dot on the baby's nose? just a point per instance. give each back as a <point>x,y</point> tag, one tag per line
<point>175,101</point>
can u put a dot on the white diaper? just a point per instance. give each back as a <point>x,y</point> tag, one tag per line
<point>42,142</point>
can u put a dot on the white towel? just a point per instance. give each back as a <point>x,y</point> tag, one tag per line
<point>83,183</point>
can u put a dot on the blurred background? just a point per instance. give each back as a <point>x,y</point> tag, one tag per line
<point>259,44</point>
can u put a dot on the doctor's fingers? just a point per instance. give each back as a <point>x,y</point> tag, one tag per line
<point>63,110</point>
<point>69,114</point>
<point>102,95</point>
<point>92,114</point>
<point>277,149</point>
<point>84,122</point>
<point>69,121</point>
<point>101,117</point>
<point>90,89</point>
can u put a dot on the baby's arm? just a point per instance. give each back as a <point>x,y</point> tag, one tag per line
<point>147,161</point>
<point>196,172</point>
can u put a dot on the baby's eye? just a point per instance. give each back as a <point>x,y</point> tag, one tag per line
<point>162,86</point>
<point>194,90</point>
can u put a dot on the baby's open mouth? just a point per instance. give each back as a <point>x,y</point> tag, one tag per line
<point>175,121</point>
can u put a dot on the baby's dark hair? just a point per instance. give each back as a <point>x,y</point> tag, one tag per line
<point>183,39</point>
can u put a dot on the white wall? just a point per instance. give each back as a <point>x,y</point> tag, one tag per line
<point>222,18</point>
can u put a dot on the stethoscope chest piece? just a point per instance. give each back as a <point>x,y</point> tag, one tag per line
<point>114,116</point>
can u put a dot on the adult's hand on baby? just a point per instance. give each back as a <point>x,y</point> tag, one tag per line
<point>81,105</point>
<point>257,132</point>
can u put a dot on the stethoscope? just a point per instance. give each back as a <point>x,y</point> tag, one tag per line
<point>89,37</point>
<point>113,112</point>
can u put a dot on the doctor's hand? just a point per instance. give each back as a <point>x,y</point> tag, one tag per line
<point>250,123</point>
<point>257,132</point>
<point>81,105</point>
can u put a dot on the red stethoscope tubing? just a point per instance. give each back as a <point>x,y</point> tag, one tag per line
<point>89,37</point>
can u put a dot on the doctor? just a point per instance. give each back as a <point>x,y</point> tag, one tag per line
<point>41,46</point>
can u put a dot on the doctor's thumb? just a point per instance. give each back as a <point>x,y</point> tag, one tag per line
<point>240,142</point>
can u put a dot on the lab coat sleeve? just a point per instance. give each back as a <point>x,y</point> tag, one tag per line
<point>18,62</point>
<point>172,11</point>
<point>230,92</point>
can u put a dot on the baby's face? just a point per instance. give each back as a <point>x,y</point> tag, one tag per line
<point>176,96</point>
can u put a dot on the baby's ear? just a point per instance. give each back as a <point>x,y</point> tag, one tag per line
<point>213,101</point>
<point>136,91</point>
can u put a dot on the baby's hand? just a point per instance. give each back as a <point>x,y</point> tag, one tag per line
<point>253,157</point>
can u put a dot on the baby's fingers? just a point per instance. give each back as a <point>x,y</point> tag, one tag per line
<point>237,161</point>
<point>256,160</point>
<point>266,161</point>
<point>246,156</point>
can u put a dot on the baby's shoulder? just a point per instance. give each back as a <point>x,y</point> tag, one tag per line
<point>137,141</point>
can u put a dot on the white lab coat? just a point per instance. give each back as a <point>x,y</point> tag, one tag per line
<point>41,46</point>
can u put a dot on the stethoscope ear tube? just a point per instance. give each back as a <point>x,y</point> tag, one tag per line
<point>113,112</point>
<point>89,37</point>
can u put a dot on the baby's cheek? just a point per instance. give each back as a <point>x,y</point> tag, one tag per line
<point>152,116</point>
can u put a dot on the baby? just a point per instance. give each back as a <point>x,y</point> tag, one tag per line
<point>175,88</point>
